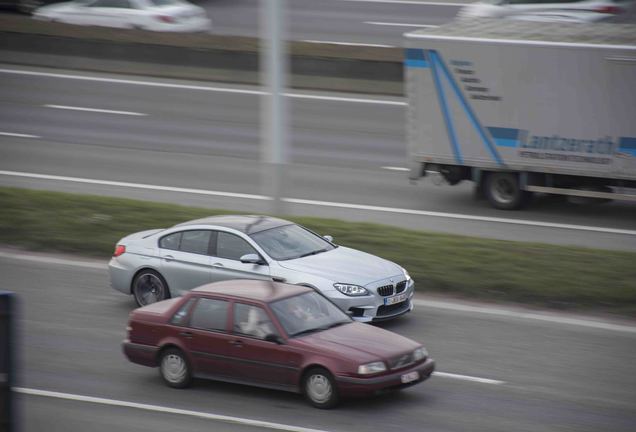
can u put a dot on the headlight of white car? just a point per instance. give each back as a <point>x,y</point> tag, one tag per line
<point>351,290</point>
<point>406,274</point>
<point>371,368</point>
<point>419,354</point>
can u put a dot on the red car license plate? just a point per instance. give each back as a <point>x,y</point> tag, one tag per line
<point>410,377</point>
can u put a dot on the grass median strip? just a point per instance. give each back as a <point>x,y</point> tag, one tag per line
<point>546,275</point>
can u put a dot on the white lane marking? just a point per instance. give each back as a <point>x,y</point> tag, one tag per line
<point>394,168</point>
<point>164,409</point>
<point>460,216</point>
<point>515,42</point>
<point>468,378</point>
<point>434,304</point>
<point>135,185</point>
<point>347,99</point>
<point>197,87</point>
<point>393,24</point>
<point>18,135</point>
<point>409,2</point>
<point>128,81</point>
<point>95,110</point>
<point>51,260</point>
<point>327,203</point>
<point>348,43</point>
<point>555,319</point>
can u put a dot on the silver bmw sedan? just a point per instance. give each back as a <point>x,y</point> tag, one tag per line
<point>161,263</point>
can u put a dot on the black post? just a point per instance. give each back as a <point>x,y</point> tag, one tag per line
<point>7,346</point>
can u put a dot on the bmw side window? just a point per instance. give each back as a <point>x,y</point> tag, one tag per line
<point>197,242</point>
<point>102,3</point>
<point>232,247</point>
<point>209,314</point>
<point>180,317</point>
<point>112,4</point>
<point>171,241</point>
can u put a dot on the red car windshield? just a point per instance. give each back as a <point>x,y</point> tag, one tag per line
<point>307,313</point>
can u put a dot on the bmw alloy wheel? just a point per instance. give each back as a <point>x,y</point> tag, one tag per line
<point>149,288</point>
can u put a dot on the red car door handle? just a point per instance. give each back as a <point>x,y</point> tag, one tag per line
<point>236,343</point>
<point>186,335</point>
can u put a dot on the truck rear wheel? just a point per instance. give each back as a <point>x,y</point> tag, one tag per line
<point>504,191</point>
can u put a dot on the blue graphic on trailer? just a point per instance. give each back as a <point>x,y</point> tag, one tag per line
<point>448,119</point>
<point>507,137</point>
<point>419,58</point>
<point>414,57</point>
<point>627,145</point>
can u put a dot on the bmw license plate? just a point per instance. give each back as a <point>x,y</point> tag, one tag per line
<point>410,377</point>
<point>395,299</point>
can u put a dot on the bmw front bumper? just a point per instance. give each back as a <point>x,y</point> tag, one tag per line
<point>373,307</point>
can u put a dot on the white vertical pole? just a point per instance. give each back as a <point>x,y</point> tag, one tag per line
<point>273,106</point>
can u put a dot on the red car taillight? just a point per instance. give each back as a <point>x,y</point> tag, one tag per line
<point>166,18</point>
<point>119,249</point>
<point>609,10</point>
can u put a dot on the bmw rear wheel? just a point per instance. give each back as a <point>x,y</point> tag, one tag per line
<point>174,368</point>
<point>149,287</point>
<point>320,388</point>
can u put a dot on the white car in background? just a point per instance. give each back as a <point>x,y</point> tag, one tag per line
<point>156,15</point>
<point>549,8</point>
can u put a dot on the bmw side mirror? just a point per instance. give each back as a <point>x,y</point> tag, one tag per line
<point>328,238</point>
<point>274,338</point>
<point>252,259</point>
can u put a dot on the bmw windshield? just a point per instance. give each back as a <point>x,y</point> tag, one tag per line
<point>308,313</point>
<point>290,241</point>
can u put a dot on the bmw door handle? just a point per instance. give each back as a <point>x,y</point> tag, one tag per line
<point>217,265</point>
<point>168,257</point>
<point>237,343</point>
<point>186,335</point>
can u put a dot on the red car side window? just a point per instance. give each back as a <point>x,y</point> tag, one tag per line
<point>209,314</point>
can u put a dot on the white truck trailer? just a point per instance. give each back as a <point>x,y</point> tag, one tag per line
<point>523,107</point>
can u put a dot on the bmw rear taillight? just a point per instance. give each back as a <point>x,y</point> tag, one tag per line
<point>615,10</point>
<point>119,249</point>
<point>166,18</point>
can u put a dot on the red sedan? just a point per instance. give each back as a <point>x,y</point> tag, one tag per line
<point>273,335</point>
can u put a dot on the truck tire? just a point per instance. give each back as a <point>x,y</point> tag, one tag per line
<point>504,191</point>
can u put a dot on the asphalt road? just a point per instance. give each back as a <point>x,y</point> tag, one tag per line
<point>164,134</point>
<point>536,375</point>
<point>347,21</point>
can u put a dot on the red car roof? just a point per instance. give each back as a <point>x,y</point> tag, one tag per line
<point>265,291</point>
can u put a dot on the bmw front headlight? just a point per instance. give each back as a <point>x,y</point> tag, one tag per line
<point>351,290</point>
<point>407,276</point>
<point>420,354</point>
<point>371,368</point>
